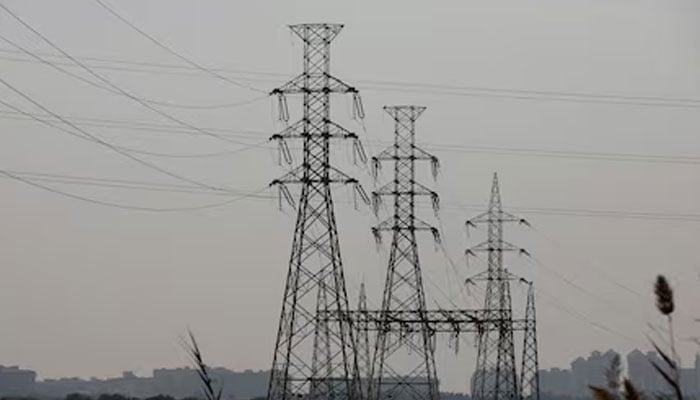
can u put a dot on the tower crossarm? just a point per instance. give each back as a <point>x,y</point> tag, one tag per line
<point>334,176</point>
<point>490,246</point>
<point>404,150</point>
<point>419,225</point>
<point>390,154</point>
<point>497,217</point>
<point>314,83</point>
<point>505,275</point>
<point>415,189</point>
<point>412,190</point>
<point>297,175</point>
<point>305,128</point>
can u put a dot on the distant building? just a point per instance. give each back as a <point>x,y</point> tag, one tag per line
<point>176,382</point>
<point>590,371</point>
<point>557,382</point>
<point>575,382</point>
<point>15,381</point>
<point>642,373</point>
<point>488,379</point>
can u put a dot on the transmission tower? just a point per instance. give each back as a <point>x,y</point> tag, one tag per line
<point>529,373</point>
<point>404,365</point>
<point>363,348</point>
<point>310,354</point>
<point>322,356</point>
<point>495,377</point>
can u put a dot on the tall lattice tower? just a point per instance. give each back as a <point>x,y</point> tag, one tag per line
<point>309,354</point>
<point>363,347</point>
<point>495,377</point>
<point>529,372</point>
<point>404,365</point>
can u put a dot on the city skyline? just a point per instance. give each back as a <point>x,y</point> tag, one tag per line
<point>572,380</point>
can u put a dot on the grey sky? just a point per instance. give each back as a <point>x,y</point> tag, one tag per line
<point>88,290</point>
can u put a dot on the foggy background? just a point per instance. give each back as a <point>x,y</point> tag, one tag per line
<point>89,290</point>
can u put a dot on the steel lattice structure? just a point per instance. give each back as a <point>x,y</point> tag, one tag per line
<point>363,347</point>
<point>321,361</point>
<point>495,377</point>
<point>314,359</point>
<point>529,372</point>
<point>404,365</point>
<point>495,321</point>
<point>454,321</point>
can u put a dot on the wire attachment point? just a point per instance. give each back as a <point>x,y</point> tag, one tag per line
<point>283,192</point>
<point>359,190</point>
<point>376,167</point>
<point>282,107</point>
<point>435,200</point>
<point>435,167</point>
<point>282,150</point>
<point>358,111</point>
<point>358,151</point>
<point>377,236</point>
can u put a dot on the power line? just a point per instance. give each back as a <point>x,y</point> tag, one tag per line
<point>137,125</point>
<point>35,117</point>
<point>93,138</point>
<point>435,146</point>
<point>124,206</point>
<point>154,153</point>
<point>439,89</point>
<point>558,94</point>
<point>592,213</point>
<point>139,151</point>
<point>582,289</point>
<point>558,303</point>
<point>130,184</point>
<point>613,214</point>
<point>608,277</point>
<point>122,184</point>
<point>108,82</point>
<point>574,98</point>
<point>601,271</point>
<point>173,52</point>
<point>139,67</point>
<point>222,153</point>
<point>107,88</point>
<point>568,154</point>
<point>150,64</point>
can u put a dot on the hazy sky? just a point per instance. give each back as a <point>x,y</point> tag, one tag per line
<point>87,290</point>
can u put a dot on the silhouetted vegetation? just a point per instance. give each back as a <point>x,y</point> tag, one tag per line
<point>202,370</point>
<point>669,369</point>
<point>78,396</point>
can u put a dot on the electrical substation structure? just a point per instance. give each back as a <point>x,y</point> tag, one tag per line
<point>326,351</point>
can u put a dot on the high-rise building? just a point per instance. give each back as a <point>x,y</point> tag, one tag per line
<point>15,381</point>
